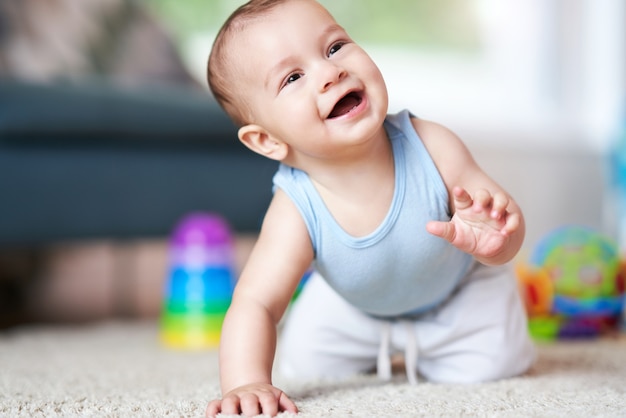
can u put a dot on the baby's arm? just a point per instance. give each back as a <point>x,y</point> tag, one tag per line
<point>280,257</point>
<point>486,221</point>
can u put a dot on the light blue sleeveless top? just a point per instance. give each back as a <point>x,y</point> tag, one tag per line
<point>399,269</point>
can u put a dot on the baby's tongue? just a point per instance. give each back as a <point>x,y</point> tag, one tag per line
<point>344,106</point>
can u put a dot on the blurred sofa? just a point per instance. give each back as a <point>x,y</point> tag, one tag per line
<point>95,160</point>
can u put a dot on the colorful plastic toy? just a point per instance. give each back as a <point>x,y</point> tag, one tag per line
<point>573,285</point>
<point>201,282</point>
<point>617,189</point>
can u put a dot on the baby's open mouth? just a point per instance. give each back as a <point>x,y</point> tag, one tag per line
<point>346,104</point>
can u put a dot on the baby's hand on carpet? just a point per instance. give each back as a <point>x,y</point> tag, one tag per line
<point>252,400</point>
<point>481,225</point>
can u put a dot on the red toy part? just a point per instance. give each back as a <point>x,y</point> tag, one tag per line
<point>536,288</point>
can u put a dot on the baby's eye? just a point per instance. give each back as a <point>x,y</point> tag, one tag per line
<point>335,47</point>
<point>292,78</point>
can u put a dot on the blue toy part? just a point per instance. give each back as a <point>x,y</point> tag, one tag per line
<point>601,307</point>
<point>208,286</point>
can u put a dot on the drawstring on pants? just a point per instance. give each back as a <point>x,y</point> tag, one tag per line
<point>383,366</point>
<point>410,352</point>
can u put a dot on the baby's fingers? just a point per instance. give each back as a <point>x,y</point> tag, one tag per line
<point>445,230</point>
<point>482,200</point>
<point>273,403</point>
<point>499,204</point>
<point>513,222</point>
<point>230,405</point>
<point>462,199</point>
<point>287,404</point>
<point>250,406</point>
<point>213,408</point>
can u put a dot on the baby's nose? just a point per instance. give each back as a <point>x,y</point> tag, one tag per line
<point>331,75</point>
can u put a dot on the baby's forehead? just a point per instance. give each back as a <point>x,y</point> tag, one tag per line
<point>244,40</point>
<point>240,38</point>
<point>284,13</point>
<point>251,37</point>
<point>240,45</point>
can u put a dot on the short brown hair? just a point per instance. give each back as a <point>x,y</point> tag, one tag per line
<point>219,75</point>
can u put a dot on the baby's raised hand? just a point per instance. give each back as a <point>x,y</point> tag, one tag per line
<point>480,225</point>
<point>252,400</point>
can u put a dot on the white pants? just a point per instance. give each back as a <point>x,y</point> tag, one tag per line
<point>479,334</point>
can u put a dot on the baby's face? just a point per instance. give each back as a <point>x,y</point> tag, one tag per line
<point>307,83</point>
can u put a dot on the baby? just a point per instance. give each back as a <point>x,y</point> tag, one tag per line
<point>408,237</point>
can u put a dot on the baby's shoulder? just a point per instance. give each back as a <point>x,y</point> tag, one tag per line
<point>436,138</point>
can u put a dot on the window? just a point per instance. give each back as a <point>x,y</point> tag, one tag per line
<point>549,71</point>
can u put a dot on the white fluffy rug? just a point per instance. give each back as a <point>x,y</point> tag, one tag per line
<point>119,369</point>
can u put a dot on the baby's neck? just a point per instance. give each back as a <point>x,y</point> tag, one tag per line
<point>359,195</point>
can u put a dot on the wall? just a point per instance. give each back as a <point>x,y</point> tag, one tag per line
<point>553,187</point>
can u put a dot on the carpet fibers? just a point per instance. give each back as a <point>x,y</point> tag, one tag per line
<point>119,369</point>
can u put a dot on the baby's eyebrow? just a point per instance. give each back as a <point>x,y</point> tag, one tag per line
<point>283,63</point>
<point>333,28</point>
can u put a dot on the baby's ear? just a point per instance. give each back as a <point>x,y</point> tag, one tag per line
<point>260,141</point>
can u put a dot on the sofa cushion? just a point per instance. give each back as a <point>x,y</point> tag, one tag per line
<point>99,111</point>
